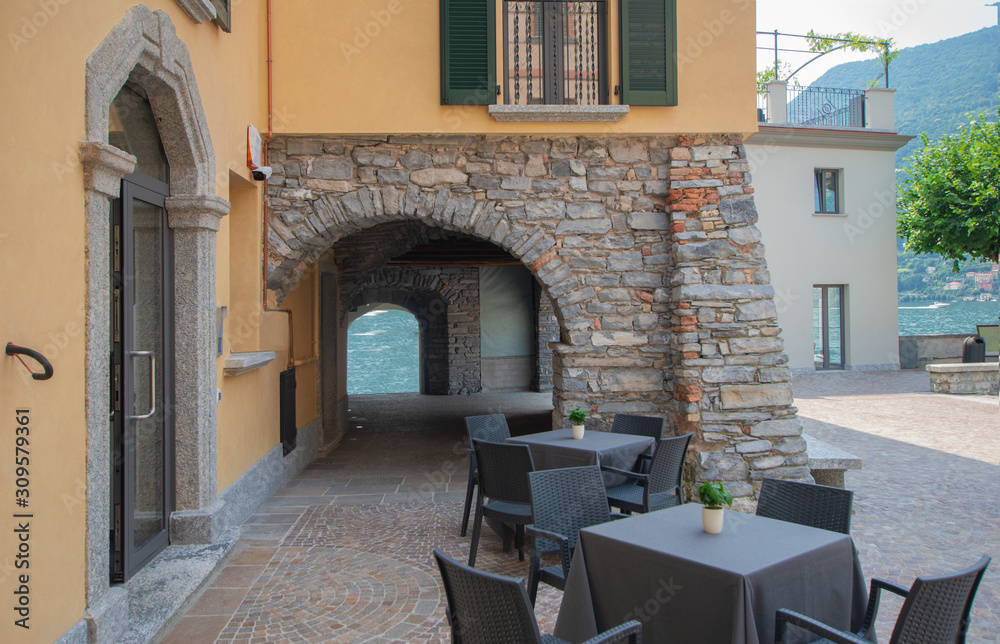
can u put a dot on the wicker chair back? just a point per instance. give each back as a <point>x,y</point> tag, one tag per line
<point>937,608</point>
<point>638,425</point>
<point>818,506</point>
<point>485,608</point>
<point>663,488</point>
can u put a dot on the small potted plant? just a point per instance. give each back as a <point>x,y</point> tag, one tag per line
<point>713,496</point>
<point>576,419</point>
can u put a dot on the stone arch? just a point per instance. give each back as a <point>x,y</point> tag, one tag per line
<point>300,236</point>
<point>424,298</point>
<point>541,212</point>
<point>144,48</point>
<point>395,277</point>
<point>645,243</point>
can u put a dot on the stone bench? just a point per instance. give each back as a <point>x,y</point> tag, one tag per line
<point>828,463</point>
<point>981,378</point>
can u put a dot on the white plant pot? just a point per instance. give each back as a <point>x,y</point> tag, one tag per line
<point>711,519</point>
<point>578,431</point>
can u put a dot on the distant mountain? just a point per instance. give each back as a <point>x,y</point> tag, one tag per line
<point>936,85</point>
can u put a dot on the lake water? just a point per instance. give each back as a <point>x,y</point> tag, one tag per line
<point>383,353</point>
<point>383,346</point>
<point>927,318</point>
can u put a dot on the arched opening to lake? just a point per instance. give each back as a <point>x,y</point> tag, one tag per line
<point>383,351</point>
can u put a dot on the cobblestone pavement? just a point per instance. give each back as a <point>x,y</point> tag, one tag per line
<point>927,500</point>
<point>342,553</point>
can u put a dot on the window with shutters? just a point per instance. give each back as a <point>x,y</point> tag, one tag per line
<point>223,14</point>
<point>555,52</point>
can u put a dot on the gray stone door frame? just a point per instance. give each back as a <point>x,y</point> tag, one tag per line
<point>143,48</point>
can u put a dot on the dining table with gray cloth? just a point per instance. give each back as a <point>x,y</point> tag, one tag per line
<point>557,449</point>
<point>687,586</point>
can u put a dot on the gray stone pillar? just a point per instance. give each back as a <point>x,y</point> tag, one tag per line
<point>331,430</point>
<point>103,168</point>
<point>195,220</point>
<point>733,386</point>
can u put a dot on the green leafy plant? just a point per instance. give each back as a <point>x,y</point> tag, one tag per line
<point>714,496</point>
<point>881,47</point>
<point>770,74</point>
<point>577,416</point>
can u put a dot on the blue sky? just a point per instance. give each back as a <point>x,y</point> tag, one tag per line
<point>908,22</point>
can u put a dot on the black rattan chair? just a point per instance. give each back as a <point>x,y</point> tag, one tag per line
<point>562,502</point>
<point>503,479</point>
<point>489,427</point>
<point>638,425</point>
<point>484,608</point>
<point>936,610</point>
<point>817,506</point>
<point>661,487</point>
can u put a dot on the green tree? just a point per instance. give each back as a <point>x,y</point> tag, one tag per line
<point>950,204</point>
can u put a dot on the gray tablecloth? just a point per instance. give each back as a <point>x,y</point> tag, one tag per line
<point>556,449</point>
<point>687,586</point>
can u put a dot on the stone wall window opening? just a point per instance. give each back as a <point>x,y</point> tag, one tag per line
<point>383,351</point>
<point>829,327</point>
<point>827,191</point>
<point>555,52</point>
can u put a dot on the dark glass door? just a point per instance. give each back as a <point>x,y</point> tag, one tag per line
<point>142,375</point>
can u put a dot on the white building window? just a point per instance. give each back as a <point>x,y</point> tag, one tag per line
<point>826,191</point>
<point>829,326</point>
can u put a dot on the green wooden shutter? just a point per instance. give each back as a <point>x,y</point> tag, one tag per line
<point>649,52</point>
<point>468,52</point>
<point>223,15</point>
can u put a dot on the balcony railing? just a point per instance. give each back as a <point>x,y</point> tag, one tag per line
<point>827,106</point>
<point>554,52</point>
<point>781,104</point>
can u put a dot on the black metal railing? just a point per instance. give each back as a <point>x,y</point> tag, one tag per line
<point>555,52</point>
<point>826,106</point>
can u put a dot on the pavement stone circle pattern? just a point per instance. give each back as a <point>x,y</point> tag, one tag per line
<point>342,553</point>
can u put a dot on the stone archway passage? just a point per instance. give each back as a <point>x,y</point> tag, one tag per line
<point>383,350</point>
<point>646,245</point>
<point>430,309</point>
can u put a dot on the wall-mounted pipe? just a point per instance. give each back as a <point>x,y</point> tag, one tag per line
<point>264,208</point>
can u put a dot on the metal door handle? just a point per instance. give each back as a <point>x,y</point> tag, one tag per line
<point>152,383</point>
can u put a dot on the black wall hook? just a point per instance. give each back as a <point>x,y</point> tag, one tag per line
<point>14,350</point>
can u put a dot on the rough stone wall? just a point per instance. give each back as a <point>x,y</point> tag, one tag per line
<point>548,332</point>
<point>646,245</point>
<point>731,380</point>
<point>464,372</point>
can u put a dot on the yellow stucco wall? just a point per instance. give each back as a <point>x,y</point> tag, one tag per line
<point>391,86</point>
<point>330,58</point>
<point>42,271</point>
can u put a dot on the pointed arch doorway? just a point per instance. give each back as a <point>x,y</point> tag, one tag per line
<point>142,367</point>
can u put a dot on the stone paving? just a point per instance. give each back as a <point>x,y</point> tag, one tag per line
<point>342,553</point>
<point>927,500</point>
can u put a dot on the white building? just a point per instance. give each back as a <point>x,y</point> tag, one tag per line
<point>824,177</point>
